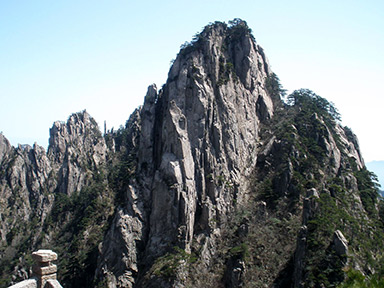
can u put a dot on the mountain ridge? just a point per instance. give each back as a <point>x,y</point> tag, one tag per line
<point>211,180</point>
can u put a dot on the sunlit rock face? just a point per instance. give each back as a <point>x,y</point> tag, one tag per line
<point>31,178</point>
<point>74,147</point>
<point>213,182</point>
<point>197,146</point>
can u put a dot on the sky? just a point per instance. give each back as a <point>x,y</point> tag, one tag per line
<point>61,57</point>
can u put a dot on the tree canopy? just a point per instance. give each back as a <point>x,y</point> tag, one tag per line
<point>307,99</point>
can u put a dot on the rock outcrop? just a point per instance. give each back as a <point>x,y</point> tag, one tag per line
<point>340,243</point>
<point>198,135</point>
<point>213,182</point>
<point>31,179</point>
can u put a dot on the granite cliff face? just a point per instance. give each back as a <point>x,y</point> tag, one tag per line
<point>213,182</point>
<point>74,146</point>
<point>33,182</point>
<point>194,150</point>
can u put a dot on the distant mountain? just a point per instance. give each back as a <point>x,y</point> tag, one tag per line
<point>378,168</point>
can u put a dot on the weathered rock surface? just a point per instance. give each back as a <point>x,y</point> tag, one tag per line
<point>73,147</point>
<point>196,139</point>
<point>213,182</point>
<point>30,178</point>
<point>340,243</point>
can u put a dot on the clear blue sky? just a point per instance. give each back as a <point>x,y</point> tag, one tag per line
<point>60,57</point>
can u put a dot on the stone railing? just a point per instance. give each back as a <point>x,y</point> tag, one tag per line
<point>44,272</point>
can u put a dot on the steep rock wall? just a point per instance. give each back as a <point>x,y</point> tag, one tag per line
<point>31,179</point>
<point>198,135</point>
<point>213,182</point>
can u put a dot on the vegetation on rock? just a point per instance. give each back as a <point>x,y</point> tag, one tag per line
<point>214,182</point>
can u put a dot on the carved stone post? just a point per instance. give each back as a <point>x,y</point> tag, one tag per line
<point>44,270</point>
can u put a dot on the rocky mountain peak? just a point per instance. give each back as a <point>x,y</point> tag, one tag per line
<point>80,131</point>
<point>206,116</point>
<point>228,51</point>
<point>197,134</point>
<point>5,148</point>
<point>211,181</point>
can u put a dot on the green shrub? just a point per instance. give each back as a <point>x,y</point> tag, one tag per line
<point>355,279</point>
